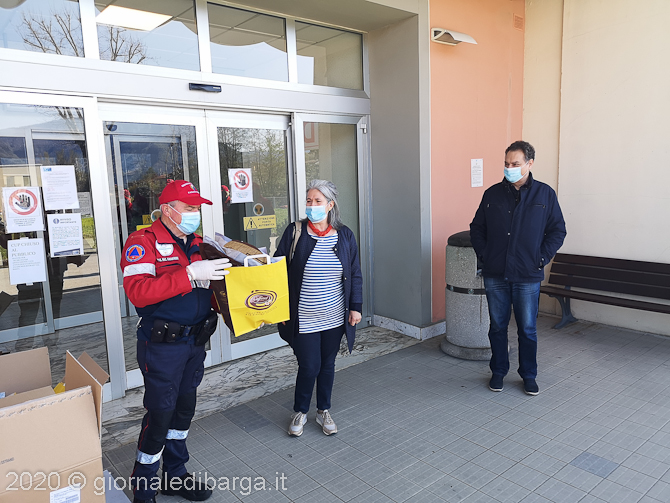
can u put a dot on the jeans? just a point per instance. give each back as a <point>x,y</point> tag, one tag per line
<point>524,298</point>
<point>316,354</point>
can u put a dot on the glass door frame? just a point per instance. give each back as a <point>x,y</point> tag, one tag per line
<point>102,215</point>
<point>169,116</point>
<point>246,120</point>
<point>364,191</point>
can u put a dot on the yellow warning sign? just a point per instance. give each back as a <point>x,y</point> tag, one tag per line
<point>263,222</point>
<point>146,219</point>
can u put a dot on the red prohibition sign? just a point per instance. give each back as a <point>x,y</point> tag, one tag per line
<point>23,202</point>
<point>241,180</point>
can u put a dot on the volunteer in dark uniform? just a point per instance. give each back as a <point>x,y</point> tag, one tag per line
<point>168,283</point>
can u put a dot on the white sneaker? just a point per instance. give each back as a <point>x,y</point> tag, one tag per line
<point>326,421</point>
<point>298,420</point>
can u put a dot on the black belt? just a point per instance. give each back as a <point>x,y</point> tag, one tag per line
<point>469,291</point>
<point>171,331</point>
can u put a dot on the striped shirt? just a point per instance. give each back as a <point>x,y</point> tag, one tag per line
<point>321,305</point>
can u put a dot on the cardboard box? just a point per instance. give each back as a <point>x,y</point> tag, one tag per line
<point>47,440</point>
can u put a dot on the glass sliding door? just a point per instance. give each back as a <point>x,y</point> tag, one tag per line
<point>334,148</point>
<point>252,159</point>
<point>52,295</point>
<point>145,150</point>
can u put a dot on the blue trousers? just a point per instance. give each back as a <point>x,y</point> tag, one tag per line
<point>316,354</point>
<point>172,372</point>
<point>524,298</point>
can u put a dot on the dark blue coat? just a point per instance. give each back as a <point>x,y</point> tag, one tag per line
<point>516,242</point>
<point>347,253</point>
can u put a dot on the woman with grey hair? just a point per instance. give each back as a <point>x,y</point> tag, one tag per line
<point>326,299</point>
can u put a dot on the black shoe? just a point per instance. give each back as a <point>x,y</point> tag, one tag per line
<point>152,500</point>
<point>496,383</point>
<point>530,387</point>
<point>187,486</point>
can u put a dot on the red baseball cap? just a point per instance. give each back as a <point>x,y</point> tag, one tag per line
<point>181,190</point>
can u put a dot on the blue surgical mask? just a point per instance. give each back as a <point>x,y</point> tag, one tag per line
<point>190,221</point>
<point>316,214</point>
<point>514,174</point>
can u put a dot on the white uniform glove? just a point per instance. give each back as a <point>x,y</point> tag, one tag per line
<point>205,270</point>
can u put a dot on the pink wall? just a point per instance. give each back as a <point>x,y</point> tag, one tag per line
<point>476,112</point>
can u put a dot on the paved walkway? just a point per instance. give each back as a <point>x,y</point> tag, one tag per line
<point>419,426</point>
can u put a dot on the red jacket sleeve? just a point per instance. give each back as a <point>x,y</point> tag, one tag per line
<point>140,281</point>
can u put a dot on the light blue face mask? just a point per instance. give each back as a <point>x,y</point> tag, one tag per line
<point>513,175</point>
<point>316,214</point>
<point>190,221</point>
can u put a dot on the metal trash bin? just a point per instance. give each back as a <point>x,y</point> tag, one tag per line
<point>467,312</point>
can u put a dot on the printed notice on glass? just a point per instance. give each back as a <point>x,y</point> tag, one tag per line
<point>26,261</point>
<point>241,190</point>
<point>65,236</point>
<point>23,209</point>
<point>60,188</point>
<point>476,172</point>
<point>85,207</point>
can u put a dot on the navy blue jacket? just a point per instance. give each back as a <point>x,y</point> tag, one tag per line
<point>515,242</point>
<point>346,251</point>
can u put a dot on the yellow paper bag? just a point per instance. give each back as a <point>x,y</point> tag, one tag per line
<point>256,295</point>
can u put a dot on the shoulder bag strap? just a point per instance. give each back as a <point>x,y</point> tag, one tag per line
<point>297,230</point>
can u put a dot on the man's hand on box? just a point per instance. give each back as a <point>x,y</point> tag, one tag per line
<point>208,270</point>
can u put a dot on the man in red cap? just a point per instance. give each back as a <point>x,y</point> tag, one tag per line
<point>168,283</point>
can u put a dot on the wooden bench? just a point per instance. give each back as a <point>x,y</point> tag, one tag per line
<point>613,276</point>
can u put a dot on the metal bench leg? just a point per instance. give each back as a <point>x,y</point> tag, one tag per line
<point>566,313</point>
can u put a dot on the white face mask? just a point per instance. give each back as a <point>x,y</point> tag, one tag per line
<point>513,175</point>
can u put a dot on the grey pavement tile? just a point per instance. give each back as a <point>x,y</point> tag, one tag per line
<point>535,498</point>
<point>373,472</point>
<point>560,492</point>
<point>512,450</point>
<point>372,496</point>
<point>649,466</point>
<point>418,447</point>
<point>616,493</point>
<point>660,491</point>
<point>484,438</point>
<point>425,496</point>
<point>525,476</point>
<point>397,459</point>
<point>627,477</point>
<point>445,461</point>
<point>398,488</point>
<point>245,417</point>
<point>610,451</point>
<point>545,428</point>
<point>493,462</point>
<point>465,449</point>
<point>324,471</point>
<point>320,494</point>
<point>655,451</point>
<point>450,489</point>
<point>576,439</point>
<point>439,436</point>
<point>473,475</point>
<point>505,490</point>
<point>578,478</point>
<point>529,438</point>
<point>623,440</point>
<point>422,474</point>
<point>502,427</point>
<point>591,429</point>
<point>594,464</point>
<point>477,497</point>
<point>347,488</point>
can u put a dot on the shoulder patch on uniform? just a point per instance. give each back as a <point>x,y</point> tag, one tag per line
<point>134,253</point>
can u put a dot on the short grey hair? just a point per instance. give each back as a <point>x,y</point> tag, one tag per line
<point>329,191</point>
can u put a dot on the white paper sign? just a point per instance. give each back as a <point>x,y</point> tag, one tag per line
<point>70,494</point>
<point>241,190</point>
<point>65,236</point>
<point>26,261</point>
<point>476,172</point>
<point>60,188</point>
<point>23,209</point>
<point>85,207</point>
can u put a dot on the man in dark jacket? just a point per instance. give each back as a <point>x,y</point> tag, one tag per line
<point>517,230</point>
